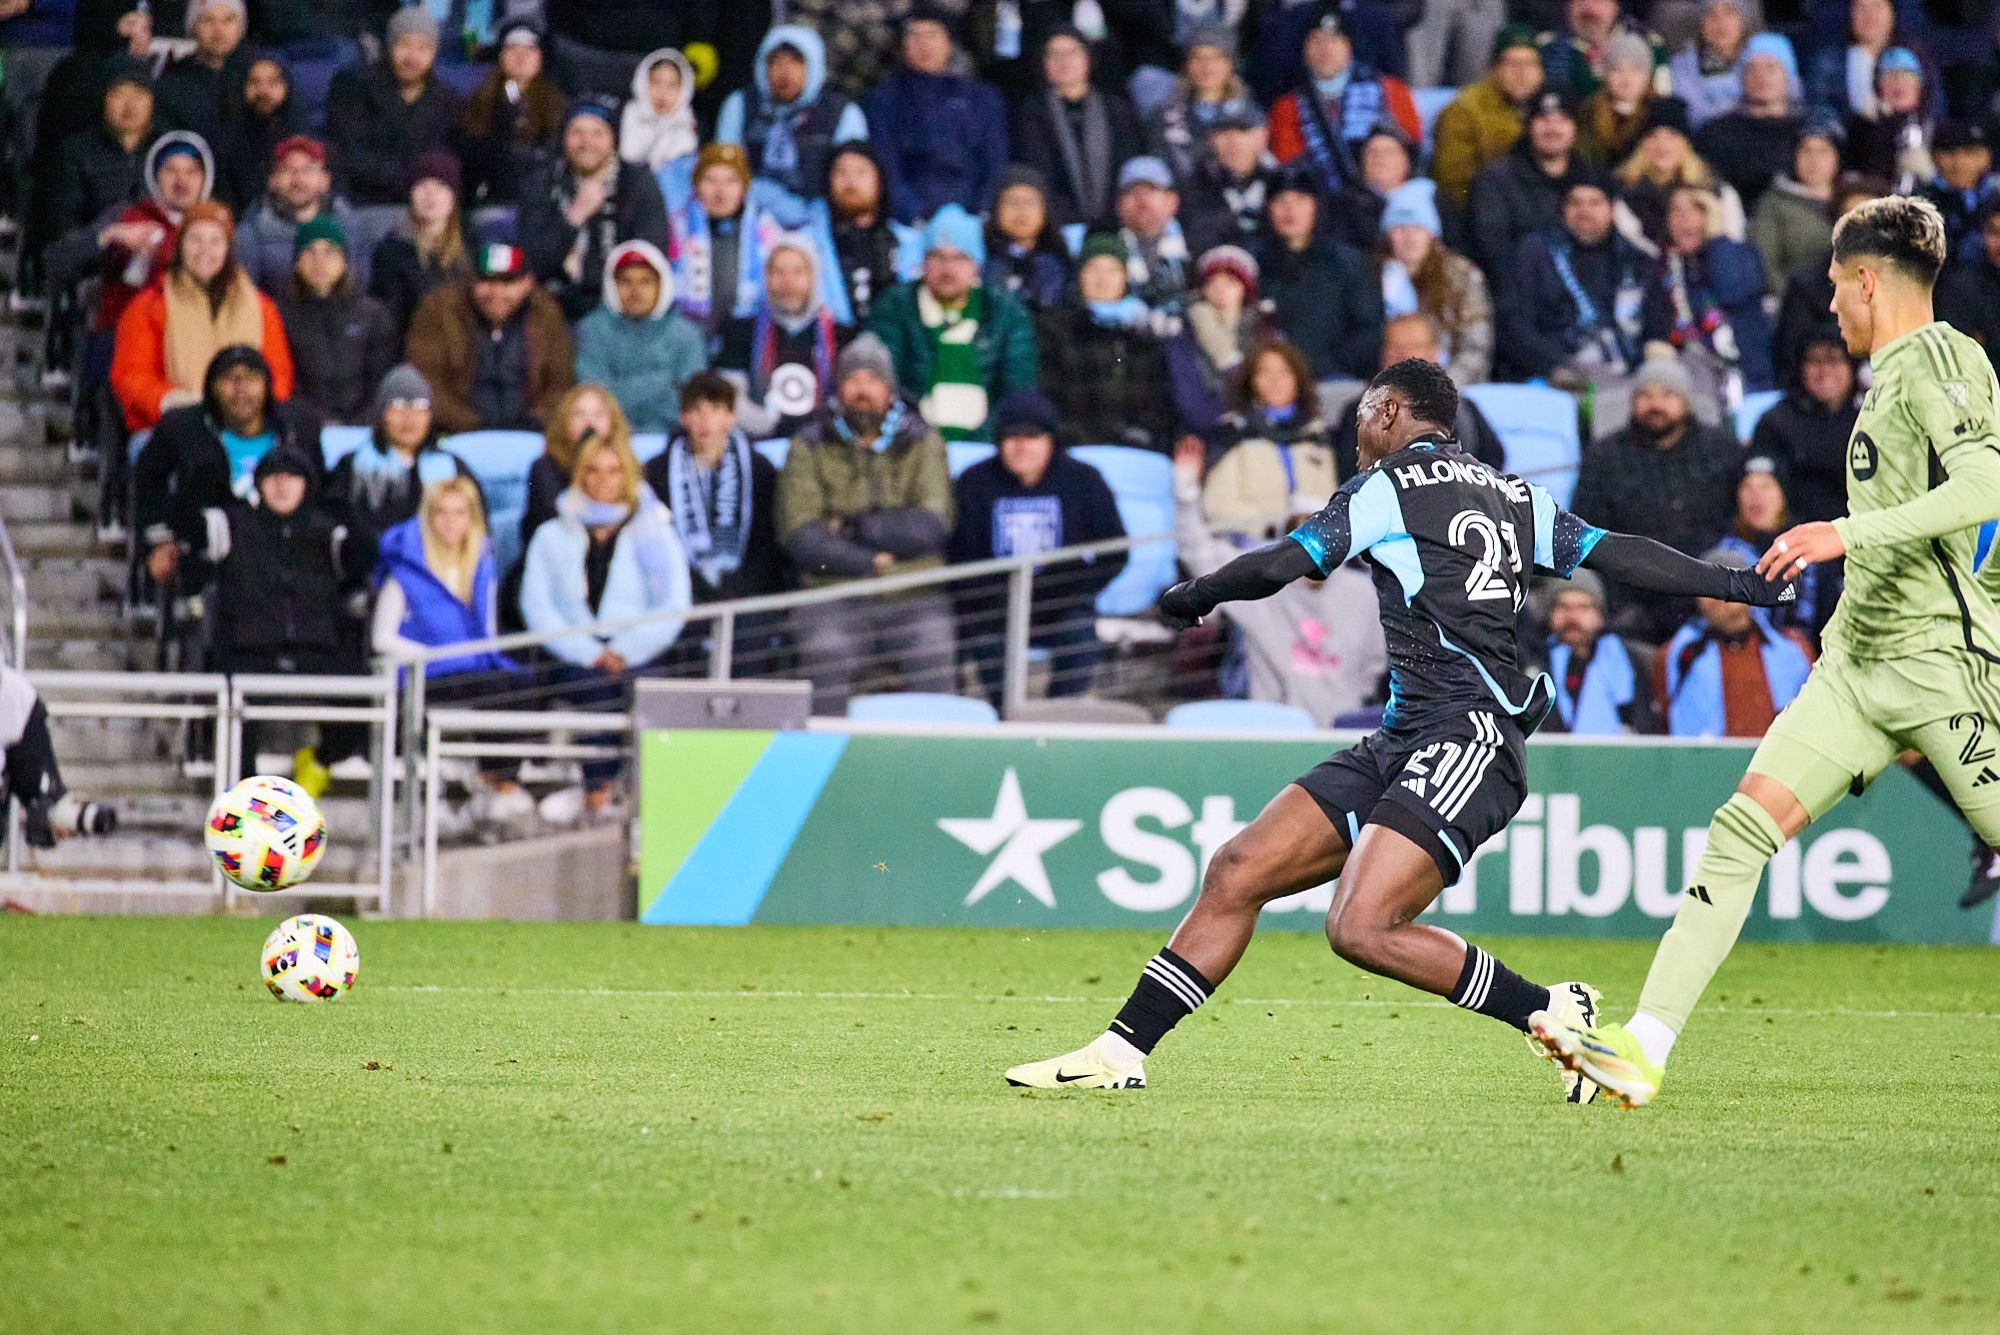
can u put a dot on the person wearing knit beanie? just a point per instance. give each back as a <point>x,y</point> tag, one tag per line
<point>1235,261</point>
<point>325,227</point>
<point>865,352</point>
<point>440,165</point>
<point>731,156</point>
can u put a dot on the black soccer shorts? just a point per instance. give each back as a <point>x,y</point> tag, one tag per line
<point>1448,789</point>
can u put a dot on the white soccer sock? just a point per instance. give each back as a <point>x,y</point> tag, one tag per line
<point>1656,1040</point>
<point>1118,1050</point>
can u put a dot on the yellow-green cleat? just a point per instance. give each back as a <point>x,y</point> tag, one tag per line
<point>1606,1053</point>
<point>1574,1006</point>
<point>1086,1068</point>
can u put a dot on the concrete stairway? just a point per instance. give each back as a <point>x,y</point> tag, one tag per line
<point>76,622</point>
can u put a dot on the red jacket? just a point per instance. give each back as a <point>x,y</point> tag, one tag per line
<point>1288,141</point>
<point>139,356</point>
<point>114,294</point>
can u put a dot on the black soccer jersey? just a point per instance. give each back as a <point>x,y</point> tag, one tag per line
<point>1450,541</point>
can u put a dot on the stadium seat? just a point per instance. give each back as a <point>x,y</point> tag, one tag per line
<point>963,454</point>
<point>774,449</point>
<point>920,707</point>
<point>1366,719</point>
<point>337,442</point>
<point>1239,716</point>
<point>1142,482</point>
<point>1431,101</point>
<point>500,460</point>
<point>648,445</point>
<point>1080,710</point>
<point>1753,407</point>
<point>1537,429</point>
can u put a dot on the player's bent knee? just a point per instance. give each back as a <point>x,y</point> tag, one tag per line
<point>1355,937</point>
<point>1238,878</point>
<point>1778,802</point>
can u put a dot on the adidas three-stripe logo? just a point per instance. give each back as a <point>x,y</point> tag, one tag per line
<point>1457,777</point>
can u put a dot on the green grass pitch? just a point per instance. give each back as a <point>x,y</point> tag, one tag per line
<point>609,1127</point>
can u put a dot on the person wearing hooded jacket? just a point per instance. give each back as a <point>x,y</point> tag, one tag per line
<point>203,454</point>
<point>782,353</point>
<point>1032,497</point>
<point>579,207</point>
<point>865,491</point>
<point>130,244</point>
<point>656,130</point>
<point>283,566</point>
<point>791,120</point>
<point>636,344</point>
<point>380,484</point>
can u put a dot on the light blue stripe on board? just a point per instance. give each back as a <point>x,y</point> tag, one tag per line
<point>731,868</point>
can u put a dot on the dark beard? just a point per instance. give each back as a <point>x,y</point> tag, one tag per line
<point>863,423</point>
<point>1652,435</point>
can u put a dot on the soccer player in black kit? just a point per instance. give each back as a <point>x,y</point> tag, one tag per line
<point>1397,817</point>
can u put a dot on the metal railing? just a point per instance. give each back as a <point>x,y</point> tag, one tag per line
<point>17,603</point>
<point>467,728</point>
<point>227,703</point>
<point>721,620</point>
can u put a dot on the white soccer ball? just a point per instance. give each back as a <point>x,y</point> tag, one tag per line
<point>266,833</point>
<point>310,958</point>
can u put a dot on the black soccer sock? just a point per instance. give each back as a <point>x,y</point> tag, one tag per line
<point>1491,988</point>
<point>1169,990</point>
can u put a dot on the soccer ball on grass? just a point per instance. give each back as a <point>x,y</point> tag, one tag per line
<point>266,833</point>
<point>310,958</point>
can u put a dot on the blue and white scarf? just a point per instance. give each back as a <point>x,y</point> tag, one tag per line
<point>1361,110</point>
<point>712,506</point>
<point>1618,337</point>
<point>892,422</point>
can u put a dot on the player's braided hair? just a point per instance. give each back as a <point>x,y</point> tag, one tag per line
<point>1432,397</point>
<point>1906,231</point>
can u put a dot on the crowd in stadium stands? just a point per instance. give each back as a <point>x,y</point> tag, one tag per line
<point>876,228</point>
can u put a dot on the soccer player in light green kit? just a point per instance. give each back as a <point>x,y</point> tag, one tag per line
<point>1912,655</point>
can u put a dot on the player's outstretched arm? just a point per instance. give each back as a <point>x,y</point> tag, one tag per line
<point>1363,512</point>
<point>1645,564</point>
<point>1255,574</point>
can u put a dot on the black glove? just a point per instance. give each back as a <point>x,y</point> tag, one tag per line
<point>1183,606</point>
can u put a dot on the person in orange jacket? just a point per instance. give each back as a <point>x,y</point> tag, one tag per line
<point>172,330</point>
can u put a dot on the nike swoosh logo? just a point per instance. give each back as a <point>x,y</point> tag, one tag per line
<point>1062,1079</point>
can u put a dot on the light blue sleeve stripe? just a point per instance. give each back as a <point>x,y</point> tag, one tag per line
<point>1376,514</point>
<point>1545,526</point>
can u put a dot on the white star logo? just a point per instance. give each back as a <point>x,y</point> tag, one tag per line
<point>1021,842</point>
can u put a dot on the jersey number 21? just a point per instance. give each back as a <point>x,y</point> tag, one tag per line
<point>1494,549</point>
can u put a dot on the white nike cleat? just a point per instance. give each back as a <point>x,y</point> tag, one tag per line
<point>1571,1006</point>
<point>1086,1068</point>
